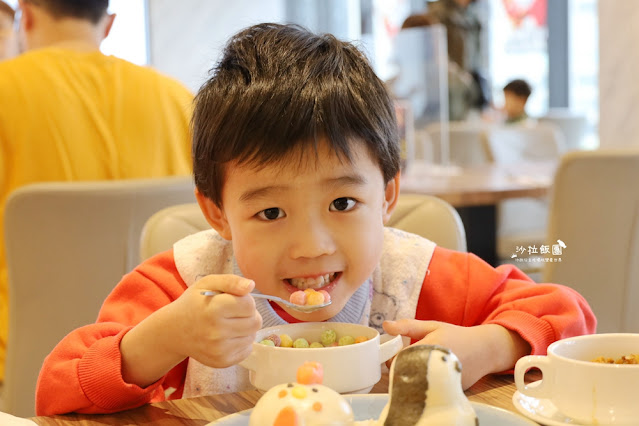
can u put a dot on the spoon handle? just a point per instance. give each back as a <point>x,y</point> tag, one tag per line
<point>256,295</point>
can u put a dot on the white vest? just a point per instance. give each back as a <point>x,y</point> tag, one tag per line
<point>391,293</point>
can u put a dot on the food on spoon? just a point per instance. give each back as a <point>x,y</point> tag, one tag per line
<point>309,297</point>
<point>298,297</point>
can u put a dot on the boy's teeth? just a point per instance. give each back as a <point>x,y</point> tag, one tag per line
<point>317,282</point>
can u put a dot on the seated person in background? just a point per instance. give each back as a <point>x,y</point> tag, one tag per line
<point>463,92</point>
<point>516,95</point>
<point>71,113</point>
<point>8,39</point>
<point>296,162</point>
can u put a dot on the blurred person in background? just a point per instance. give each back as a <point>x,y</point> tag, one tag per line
<point>516,94</point>
<point>70,113</point>
<point>464,38</point>
<point>463,93</point>
<point>8,39</point>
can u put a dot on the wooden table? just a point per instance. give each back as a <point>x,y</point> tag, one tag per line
<point>475,191</point>
<point>495,390</point>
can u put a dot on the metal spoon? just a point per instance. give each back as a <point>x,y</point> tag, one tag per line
<point>301,308</point>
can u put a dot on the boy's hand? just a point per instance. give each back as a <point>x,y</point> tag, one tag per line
<point>481,349</point>
<point>217,331</point>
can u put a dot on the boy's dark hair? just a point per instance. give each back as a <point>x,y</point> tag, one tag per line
<point>519,87</point>
<point>278,89</point>
<point>91,10</point>
<point>7,10</point>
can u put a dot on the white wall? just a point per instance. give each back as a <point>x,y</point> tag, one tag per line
<point>186,37</point>
<point>618,71</point>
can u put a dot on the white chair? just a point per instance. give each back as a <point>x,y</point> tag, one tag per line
<point>523,222</point>
<point>595,212</point>
<point>68,244</point>
<point>427,216</point>
<point>571,124</point>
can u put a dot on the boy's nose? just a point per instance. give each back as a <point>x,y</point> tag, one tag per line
<point>311,239</point>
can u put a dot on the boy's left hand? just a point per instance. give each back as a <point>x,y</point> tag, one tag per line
<point>481,349</point>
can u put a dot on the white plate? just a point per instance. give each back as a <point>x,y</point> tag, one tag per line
<point>541,410</point>
<point>366,407</point>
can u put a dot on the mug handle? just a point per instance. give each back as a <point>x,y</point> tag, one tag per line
<point>540,389</point>
<point>390,347</point>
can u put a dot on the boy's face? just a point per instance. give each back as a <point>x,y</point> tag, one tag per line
<point>514,105</point>
<point>294,227</point>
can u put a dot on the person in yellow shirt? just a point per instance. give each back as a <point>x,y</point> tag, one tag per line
<point>68,112</point>
<point>8,40</point>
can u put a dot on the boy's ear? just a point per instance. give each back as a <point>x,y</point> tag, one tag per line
<point>391,196</point>
<point>214,215</point>
<point>108,24</point>
<point>26,15</point>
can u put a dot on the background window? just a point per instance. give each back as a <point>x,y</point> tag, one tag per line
<point>128,38</point>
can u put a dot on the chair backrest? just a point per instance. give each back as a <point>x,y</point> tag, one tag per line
<point>424,215</point>
<point>68,244</point>
<point>531,142</point>
<point>595,212</point>
<point>523,222</point>
<point>571,124</point>
<point>467,142</point>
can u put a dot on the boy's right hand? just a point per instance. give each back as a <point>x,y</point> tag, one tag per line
<point>217,331</point>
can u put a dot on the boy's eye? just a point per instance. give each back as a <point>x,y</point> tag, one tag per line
<point>343,204</point>
<point>271,214</point>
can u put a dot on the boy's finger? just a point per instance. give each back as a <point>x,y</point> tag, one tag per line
<point>412,328</point>
<point>231,284</point>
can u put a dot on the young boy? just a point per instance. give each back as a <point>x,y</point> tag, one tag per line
<point>516,95</point>
<point>296,163</point>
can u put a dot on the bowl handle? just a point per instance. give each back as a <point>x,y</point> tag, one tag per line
<point>540,389</point>
<point>250,362</point>
<point>390,347</point>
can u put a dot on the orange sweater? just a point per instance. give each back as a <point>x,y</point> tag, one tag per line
<point>82,373</point>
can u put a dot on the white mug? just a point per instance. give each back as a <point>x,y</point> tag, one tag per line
<point>587,391</point>
<point>347,369</point>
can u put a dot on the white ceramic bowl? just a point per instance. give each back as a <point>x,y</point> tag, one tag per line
<point>586,391</point>
<point>347,369</point>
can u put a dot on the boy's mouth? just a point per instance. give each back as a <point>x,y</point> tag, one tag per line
<point>315,283</point>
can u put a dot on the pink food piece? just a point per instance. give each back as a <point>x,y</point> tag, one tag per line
<point>327,296</point>
<point>298,297</point>
<point>275,339</point>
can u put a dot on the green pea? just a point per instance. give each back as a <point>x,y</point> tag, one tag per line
<point>328,337</point>
<point>346,340</point>
<point>300,343</point>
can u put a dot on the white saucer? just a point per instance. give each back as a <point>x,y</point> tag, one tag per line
<point>541,410</point>
<point>367,407</point>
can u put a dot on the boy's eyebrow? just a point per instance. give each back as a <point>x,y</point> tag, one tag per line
<point>348,180</point>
